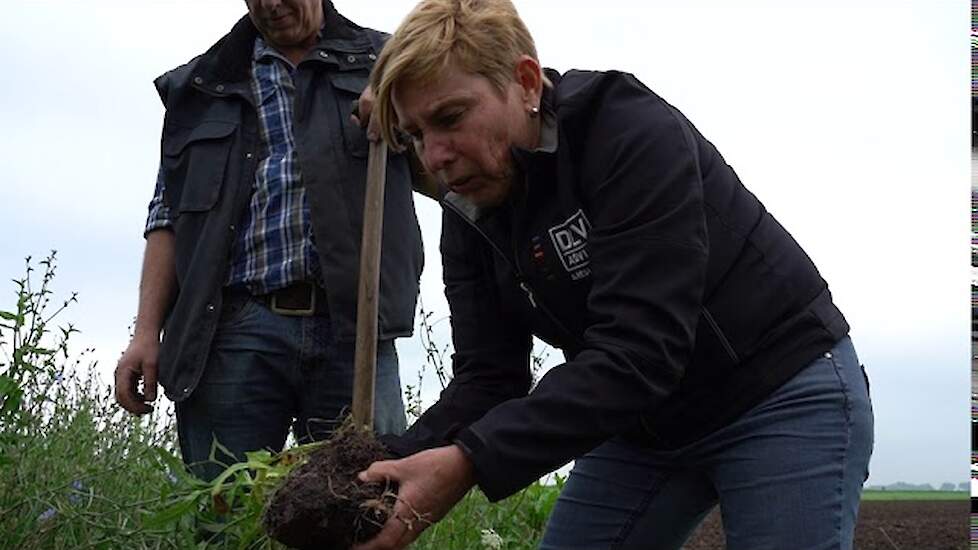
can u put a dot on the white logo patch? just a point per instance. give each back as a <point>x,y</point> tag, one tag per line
<point>570,240</point>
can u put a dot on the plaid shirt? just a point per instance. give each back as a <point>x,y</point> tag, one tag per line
<point>274,247</point>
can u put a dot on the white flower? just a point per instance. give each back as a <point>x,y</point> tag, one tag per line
<point>491,540</point>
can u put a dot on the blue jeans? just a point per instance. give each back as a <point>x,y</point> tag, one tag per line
<point>267,373</point>
<point>787,474</point>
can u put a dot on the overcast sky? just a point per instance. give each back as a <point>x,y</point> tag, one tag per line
<point>849,120</point>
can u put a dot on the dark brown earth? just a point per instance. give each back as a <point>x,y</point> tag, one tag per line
<point>322,504</point>
<point>882,525</point>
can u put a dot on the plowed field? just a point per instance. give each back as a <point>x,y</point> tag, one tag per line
<point>883,525</point>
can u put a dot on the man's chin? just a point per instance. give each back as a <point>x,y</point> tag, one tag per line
<point>282,38</point>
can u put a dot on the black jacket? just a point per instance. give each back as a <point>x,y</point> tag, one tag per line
<point>679,302</point>
<point>210,150</point>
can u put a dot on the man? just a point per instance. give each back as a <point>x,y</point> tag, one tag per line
<point>253,235</point>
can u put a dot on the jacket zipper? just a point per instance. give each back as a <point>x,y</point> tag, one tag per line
<point>529,293</point>
<point>514,266</point>
<point>721,336</point>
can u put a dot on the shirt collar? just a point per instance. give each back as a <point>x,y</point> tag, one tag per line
<point>263,51</point>
<point>548,133</point>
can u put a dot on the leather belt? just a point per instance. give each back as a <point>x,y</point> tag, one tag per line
<point>300,299</point>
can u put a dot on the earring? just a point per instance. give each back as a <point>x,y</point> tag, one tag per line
<point>534,112</point>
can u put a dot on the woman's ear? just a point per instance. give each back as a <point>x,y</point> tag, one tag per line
<point>529,77</point>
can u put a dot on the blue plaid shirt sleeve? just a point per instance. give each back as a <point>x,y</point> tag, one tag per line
<point>159,214</point>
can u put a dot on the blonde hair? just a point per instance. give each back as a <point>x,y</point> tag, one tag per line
<point>484,37</point>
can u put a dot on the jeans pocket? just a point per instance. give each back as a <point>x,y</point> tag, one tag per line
<point>236,310</point>
<point>838,365</point>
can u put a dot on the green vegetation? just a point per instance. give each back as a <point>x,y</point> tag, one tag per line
<point>916,495</point>
<point>78,472</point>
<point>516,522</point>
<point>75,471</point>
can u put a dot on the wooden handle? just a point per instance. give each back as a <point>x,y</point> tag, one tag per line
<point>365,355</point>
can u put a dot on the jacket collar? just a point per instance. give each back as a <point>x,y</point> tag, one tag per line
<point>548,124</point>
<point>229,59</point>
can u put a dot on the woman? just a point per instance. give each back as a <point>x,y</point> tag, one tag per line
<point>705,360</point>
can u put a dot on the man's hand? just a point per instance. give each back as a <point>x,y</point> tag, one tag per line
<point>361,114</point>
<point>422,181</point>
<point>138,362</point>
<point>157,291</point>
<point>431,482</point>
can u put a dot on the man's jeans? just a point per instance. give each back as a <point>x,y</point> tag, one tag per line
<point>787,475</point>
<point>268,373</point>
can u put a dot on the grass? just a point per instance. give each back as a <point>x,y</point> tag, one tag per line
<point>515,523</point>
<point>916,495</point>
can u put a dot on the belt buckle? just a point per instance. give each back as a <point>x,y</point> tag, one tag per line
<point>295,312</point>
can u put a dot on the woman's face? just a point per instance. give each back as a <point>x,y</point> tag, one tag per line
<point>462,128</point>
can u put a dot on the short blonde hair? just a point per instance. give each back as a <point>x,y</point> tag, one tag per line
<point>484,37</point>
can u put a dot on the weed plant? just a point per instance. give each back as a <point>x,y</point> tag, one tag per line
<point>77,472</point>
<point>74,468</point>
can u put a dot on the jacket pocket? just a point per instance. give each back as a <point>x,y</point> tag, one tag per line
<point>348,85</point>
<point>713,359</point>
<point>194,162</point>
<point>721,337</point>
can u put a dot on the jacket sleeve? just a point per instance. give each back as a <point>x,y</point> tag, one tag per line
<point>492,349</point>
<point>641,187</point>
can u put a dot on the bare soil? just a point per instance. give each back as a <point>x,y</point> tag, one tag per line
<point>322,504</point>
<point>882,525</point>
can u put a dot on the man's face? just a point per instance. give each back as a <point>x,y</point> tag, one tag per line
<point>287,23</point>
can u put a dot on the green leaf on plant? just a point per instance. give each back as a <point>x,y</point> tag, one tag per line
<point>11,400</point>
<point>176,467</point>
<point>7,385</point>
<point>259,456</point>
<point>172,512</point>
<point>216,446</point>
<point>232,470</point>
<point>251,533</point>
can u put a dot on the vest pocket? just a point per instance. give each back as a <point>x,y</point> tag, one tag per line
<point>194,161</point>
<point>348,85</point>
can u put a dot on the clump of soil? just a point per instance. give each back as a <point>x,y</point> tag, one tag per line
<point>321,504</point>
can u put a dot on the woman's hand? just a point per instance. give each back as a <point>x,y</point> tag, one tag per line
<point>431,482</point>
